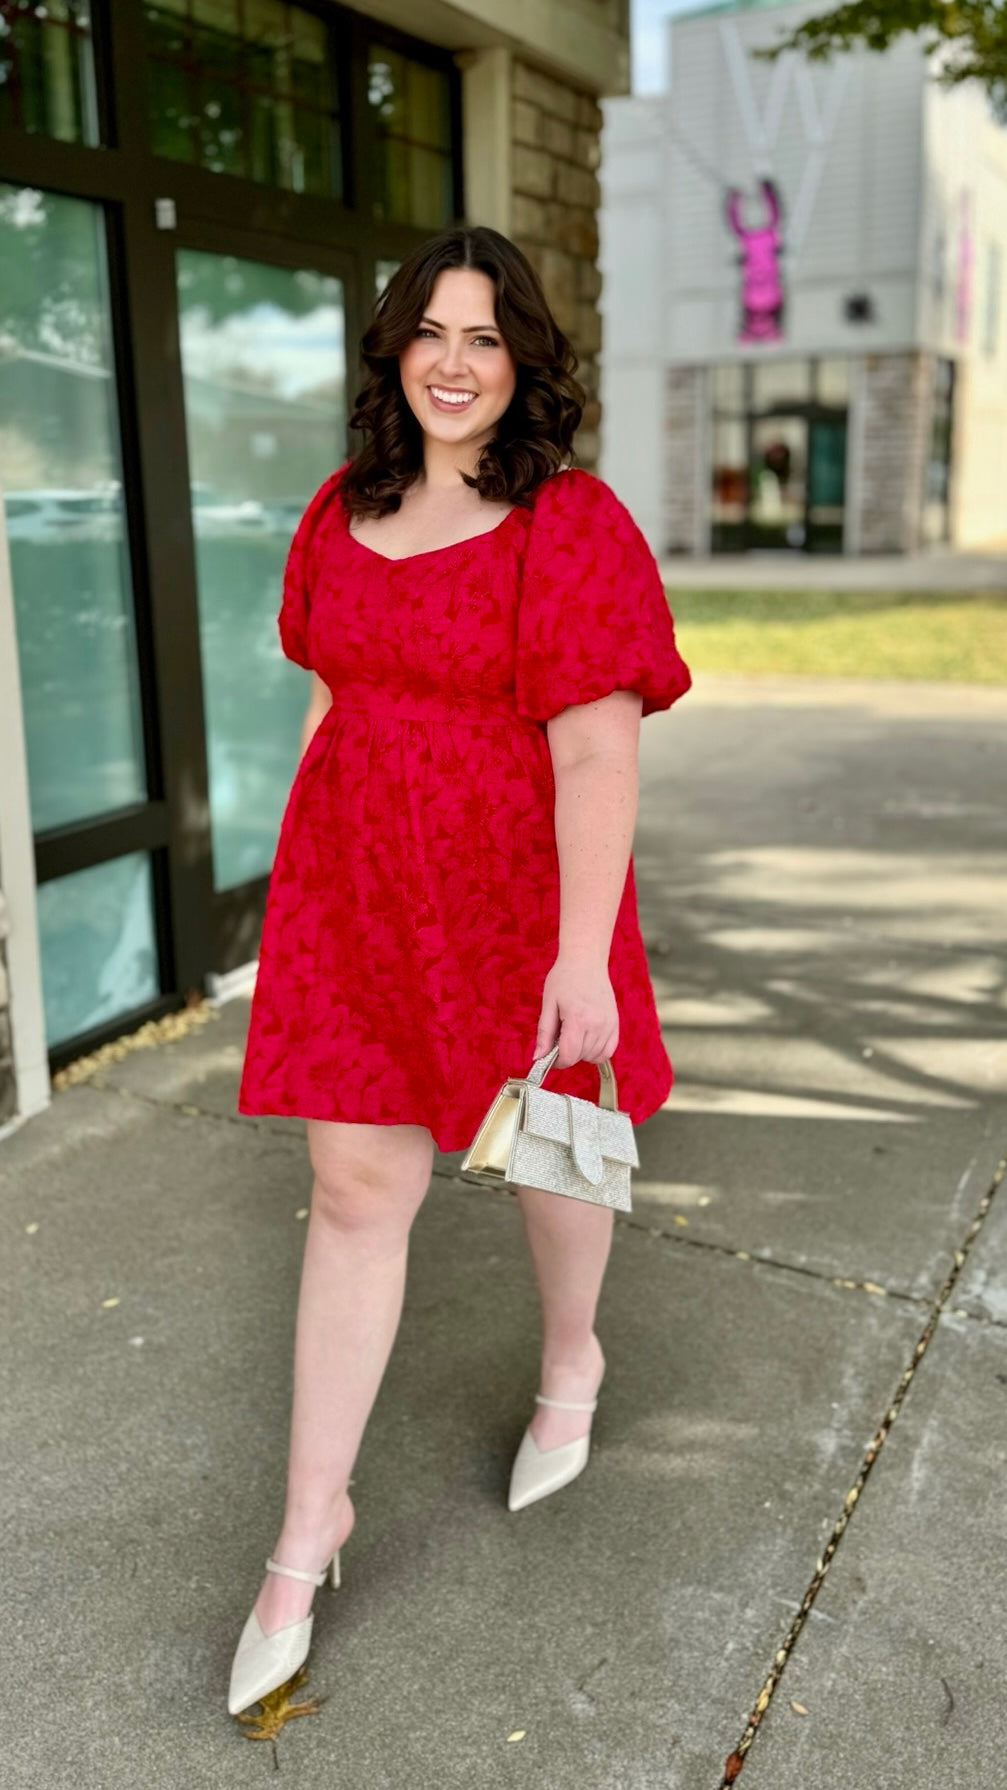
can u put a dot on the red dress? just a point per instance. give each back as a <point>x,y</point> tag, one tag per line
<point>413,906</point>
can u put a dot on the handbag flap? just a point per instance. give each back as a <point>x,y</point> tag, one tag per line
<point>591,1132</point>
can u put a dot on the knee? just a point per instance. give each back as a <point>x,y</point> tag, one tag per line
<point>359,1199</point>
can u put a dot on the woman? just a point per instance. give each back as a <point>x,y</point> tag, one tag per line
<point>453,888</point>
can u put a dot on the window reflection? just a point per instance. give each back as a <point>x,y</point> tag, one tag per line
<point>263,359</point>
<point>98,945</point>
<point>246,87</point>
<point>411,105</point>
<point>779,383</point>
<point>61,476</point>
<point>47,69</point>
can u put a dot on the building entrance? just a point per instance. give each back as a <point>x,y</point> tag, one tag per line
<point>197,209</point>
<point>797,483</point>
<point>779,458</point>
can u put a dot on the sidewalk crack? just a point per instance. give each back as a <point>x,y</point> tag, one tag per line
<point>736,1760</point>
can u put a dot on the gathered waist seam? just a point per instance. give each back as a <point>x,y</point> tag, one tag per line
<point>444,718</point>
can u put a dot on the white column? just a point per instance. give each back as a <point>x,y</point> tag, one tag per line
<point>17,870</point>
<point>486,136</point>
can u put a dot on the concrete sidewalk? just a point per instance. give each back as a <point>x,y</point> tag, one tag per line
<point>821,871</point>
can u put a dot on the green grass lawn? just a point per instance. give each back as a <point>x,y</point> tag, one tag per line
<point>895,634</point>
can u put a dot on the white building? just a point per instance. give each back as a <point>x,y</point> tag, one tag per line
<point>804,342</point>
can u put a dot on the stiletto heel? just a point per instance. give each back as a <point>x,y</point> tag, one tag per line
<point>538,1471</point>
<point>263,1662</point>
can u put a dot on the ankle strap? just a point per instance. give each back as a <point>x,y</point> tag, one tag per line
<point>294,1572</point>
<point>562,1404</point>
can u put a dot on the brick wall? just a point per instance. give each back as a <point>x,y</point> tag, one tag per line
<point>896,427</point>
<point>686,475</point>
<point>556,148</point>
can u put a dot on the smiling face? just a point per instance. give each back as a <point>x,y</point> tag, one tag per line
<point>457,373</point>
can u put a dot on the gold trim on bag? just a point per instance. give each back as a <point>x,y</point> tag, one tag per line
<point>532,1137</point>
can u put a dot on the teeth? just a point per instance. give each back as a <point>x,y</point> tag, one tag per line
<point>452,397</point>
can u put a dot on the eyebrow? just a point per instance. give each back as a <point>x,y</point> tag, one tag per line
<point>472,330</point>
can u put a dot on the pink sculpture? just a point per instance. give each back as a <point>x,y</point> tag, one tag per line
<point>761,285</point>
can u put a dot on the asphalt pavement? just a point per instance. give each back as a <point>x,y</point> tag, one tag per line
<point>795,1503</point>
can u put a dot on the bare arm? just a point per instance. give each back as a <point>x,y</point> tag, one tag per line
<point>594,754</point>
<point>319,701</point>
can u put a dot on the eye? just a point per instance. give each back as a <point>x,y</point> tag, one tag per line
<point>424,332</point>
<point>490,341</point>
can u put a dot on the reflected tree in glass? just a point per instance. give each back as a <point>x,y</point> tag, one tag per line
<point>263,359</point>
<point>61,475</point>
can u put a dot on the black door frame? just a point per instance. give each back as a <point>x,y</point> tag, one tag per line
<point>197,929</point>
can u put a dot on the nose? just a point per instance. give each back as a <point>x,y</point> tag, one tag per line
<point>453,361</point>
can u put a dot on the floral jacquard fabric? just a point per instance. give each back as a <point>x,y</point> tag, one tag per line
<point>412,912</point>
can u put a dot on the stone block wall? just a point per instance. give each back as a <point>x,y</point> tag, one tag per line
<point>686,478</point>
<point>555,151</point>
<point>894,441</point>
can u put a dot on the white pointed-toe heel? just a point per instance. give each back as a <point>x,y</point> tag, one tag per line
<point>263,1662</point>
<point>538,1471</point>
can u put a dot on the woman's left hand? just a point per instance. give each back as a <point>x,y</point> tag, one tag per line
<point>580,1009</point>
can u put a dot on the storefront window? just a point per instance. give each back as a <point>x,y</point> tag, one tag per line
<point>61,476</point>
<point>779,384</point>
<point>779,455</point>
<point>47,69</point>
<point>246,87</point>
<point>729,390</point>
<point>730,472</point>
<point>264,364</point>
<point>98,945</point>
<point>937,473</point>
<point>833,382</point>
<point>382,274</point>
<point>411,105</point>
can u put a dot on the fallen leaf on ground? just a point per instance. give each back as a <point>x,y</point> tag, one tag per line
<point>518,1734</point>
<point>277,1709</point>
<point>798,1708</point>
<point>31,1229</point>
<point>108,1303</point>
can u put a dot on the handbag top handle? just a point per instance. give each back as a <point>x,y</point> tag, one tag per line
<point>606,1078</point>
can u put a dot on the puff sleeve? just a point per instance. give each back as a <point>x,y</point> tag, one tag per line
<point>298,577</point>
<point>593,615</point>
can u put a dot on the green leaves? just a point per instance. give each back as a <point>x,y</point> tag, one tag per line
<point>972,32</point>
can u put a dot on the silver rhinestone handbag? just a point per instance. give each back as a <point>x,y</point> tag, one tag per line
<point>531,1137</point>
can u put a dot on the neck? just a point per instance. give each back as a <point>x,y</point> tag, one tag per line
<point>444,463</point>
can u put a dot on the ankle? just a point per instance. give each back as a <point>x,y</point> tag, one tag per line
<point>576,1357</point>
<point>313,1524</point>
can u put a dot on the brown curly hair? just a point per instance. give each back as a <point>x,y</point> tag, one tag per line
<point>534,435</point>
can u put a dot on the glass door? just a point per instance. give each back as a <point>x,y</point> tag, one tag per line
<point>263,351</point>
<point>826,483</point>
<point>778,482</point>
<point>85,689</point>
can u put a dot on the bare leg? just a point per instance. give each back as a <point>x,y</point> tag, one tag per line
<point>569,1242</point>
<point>369,1183</point>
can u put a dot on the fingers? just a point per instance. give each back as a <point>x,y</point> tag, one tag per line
<point>577,1045</point>
<point>548,1025</point>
